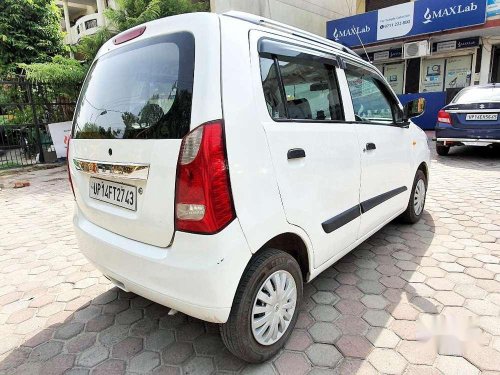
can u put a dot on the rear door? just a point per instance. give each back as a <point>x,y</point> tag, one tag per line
<point>314,151</point>
<point>134,109</point>
<point>385,148</point>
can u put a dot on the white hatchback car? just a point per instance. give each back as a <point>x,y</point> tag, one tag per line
<point>218,161</point>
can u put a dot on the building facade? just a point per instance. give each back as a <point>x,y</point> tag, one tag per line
<point>426,48</point>
<point>310,15</point>
<point>82,17</point>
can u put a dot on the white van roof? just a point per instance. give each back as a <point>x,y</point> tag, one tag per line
<point>266,22</point>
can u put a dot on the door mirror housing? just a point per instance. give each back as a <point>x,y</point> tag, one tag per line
<point>413,108</point>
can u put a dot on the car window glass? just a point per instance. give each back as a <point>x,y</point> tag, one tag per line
<point>142,91</point>
<point>370,103</point>
<point>271,86</point>
<point>311,90</point>
<point>477,95</point>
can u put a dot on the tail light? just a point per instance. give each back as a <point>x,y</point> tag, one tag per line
<point>69,171</point>
<point>444,117</point>
<point>203,201</point>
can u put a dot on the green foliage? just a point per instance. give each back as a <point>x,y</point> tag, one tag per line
<point>62,72</point>
<point>30,32</point>
<point>63,75</point>
<point>89,45</point>
<point>130,13</point>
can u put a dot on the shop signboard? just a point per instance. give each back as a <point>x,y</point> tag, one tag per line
<point>407,19</point>
<point>451,45</point>
<point>394,53</point>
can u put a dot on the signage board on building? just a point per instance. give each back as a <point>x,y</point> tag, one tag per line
<point>394,53</point>
<point>405,20</point>
<point>451,45</point>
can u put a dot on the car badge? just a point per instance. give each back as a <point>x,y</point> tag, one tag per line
<point>481,106</point>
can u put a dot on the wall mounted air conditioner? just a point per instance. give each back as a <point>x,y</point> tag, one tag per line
<point>416,49</point>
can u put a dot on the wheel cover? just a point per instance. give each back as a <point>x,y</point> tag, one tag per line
<point>419,197</point>
<point>273,307</point>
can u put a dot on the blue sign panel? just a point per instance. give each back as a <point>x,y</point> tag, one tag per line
<point>407,19</point>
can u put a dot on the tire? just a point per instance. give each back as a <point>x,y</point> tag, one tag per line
<point>410,216</point>
<point>237,333</point>
<point>442,150</point>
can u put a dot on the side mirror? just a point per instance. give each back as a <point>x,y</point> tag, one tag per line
<point>413,108</point>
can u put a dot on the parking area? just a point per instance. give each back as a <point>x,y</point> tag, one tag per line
<point>422,299</point>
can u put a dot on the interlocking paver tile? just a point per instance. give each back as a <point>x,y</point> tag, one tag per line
<point>324,332</point>
<point>418,352</point>
<point>377,318</point>
<point>382,337</point>
<point>323,355</point>
<point>177,353</point>
<point>450,365</point>
<point>387,361</point>
<point>299,340</point>
<point>292,363</point>
<point>354,346</point>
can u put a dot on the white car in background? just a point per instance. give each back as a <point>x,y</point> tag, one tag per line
<point>220,161</point>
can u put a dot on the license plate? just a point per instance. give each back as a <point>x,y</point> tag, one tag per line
<point>481,116</point>
<point>114,193</point>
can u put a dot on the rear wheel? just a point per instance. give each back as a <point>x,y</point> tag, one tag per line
<point>416,202</point>
<point>265,306</point>
<point>441,149</point>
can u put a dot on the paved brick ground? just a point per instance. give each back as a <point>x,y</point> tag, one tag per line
<point>421,299</point>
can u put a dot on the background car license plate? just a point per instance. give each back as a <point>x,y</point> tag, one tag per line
<point>481,116</point>
<point>113,192</point>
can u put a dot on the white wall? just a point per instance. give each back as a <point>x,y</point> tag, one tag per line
<point>310,15</point>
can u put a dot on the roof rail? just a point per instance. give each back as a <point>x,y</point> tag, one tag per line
<point>266,22</point>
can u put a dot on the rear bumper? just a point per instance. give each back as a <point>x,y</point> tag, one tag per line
<point>447,133</point>
<point>472,141</point>
<point>197,275</point>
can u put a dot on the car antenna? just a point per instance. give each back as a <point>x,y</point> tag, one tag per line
<point>362,44</point>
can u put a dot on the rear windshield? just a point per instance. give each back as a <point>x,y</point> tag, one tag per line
<point>478,94</point>
<point>142,91</point>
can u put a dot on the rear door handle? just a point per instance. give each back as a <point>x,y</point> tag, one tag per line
<point>370,146</point>
<point>295,153</point>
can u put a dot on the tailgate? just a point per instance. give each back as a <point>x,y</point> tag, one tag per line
<point>134,110</point>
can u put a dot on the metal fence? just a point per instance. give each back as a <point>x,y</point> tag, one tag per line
<point>26,109</point>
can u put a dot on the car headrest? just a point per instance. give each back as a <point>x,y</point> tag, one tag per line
<point>299,109</point>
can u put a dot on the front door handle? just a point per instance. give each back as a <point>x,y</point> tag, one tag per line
<point>295,153</point>
<point>370,146</point>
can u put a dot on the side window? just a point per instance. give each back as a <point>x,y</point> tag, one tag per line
<point>272,89</point>
<point>311,90</point>
<point>370,101</point>
<point>300,87</point>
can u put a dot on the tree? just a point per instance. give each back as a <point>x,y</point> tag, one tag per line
<point>63,74</point>
<point>130,13</point>
<point>30,32</point>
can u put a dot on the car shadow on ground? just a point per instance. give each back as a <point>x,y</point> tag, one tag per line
<point>362,306</point>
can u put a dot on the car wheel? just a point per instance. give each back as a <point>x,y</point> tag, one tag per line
<point>265,306</point>
<point>442,150</point>
<point>416,202</point>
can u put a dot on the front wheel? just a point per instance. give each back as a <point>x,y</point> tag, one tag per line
<point>416,202</point>
<point>265,306</point>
